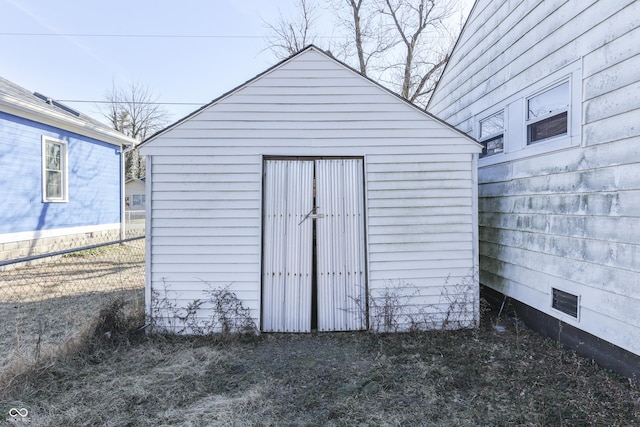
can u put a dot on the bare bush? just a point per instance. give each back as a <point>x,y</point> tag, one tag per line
<point>220,312</point>
<point>392,309</point>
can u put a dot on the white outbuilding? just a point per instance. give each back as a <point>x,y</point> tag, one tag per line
<point>317,200</point>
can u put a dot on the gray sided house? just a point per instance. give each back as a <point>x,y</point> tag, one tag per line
<point>134,195</point>
<point>552,89</point>
<point>318,198</point>
<point>61,175</point>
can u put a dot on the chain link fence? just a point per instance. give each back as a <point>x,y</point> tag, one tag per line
<point>48,300</point>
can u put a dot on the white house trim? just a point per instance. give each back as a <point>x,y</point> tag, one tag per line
<point>56,232</point>
<point>515,131</point>
<point>64,170</point>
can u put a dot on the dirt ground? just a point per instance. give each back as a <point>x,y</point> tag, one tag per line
<point>62,365</point>
<point>486,377</point>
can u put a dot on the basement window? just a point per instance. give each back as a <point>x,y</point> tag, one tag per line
<point>565,302</point>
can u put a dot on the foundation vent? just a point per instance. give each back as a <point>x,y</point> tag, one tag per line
<point>565,302</point>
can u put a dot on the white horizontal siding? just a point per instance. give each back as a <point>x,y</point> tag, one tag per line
<point>205,225</point>
<point>566,219</point>
<point>193,281</point>
<point>322,113</point>
<point>534,42</point>
<point>388,255</point>
<point>221,198</point>
<point>445,237</point>
<point>588,250</point>
<point>575,229</point>
<point>612,129</point>
<point>206,204</point>
<point>400,248</point>
<point>199,247</point>
<point>252,137</point>
<point>320,148</point>
<point>420,231</point>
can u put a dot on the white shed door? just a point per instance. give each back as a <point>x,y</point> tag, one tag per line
<point>293,277</point>
<point>340,245</point>
<point>287,247</point>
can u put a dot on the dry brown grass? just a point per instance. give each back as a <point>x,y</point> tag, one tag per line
<point>462,378</point>
<point>44,307</point>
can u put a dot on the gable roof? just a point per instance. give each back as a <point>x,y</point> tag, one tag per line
<point>289,59</point>
<point>138,180</point>
<point>20,102</point>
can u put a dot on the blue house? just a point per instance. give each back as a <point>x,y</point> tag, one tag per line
<point>60,175</point>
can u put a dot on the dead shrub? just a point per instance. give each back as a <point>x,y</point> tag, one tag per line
<point>392,309</point>
<point>220,313</point>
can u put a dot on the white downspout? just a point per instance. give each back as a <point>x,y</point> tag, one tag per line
<point>123,175</point>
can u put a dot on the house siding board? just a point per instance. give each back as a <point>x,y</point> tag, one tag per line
<point>205,220</point>
<point>134,187</point>
<point>426,224</point>
<point>207,180</point>
<point>93,174</point>
<point>615,53</point>
<point>613,103</point>
<point>564,218</point>
<point>612,78</point>
<point>485,57</point>
<point>621,126</point>
<point>505,65</point>
<point>425,220</point>
<point>315,147</point>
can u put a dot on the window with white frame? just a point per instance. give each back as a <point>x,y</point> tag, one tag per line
<point>542,117</point>
<point>54,170</point>
<point>492,134</point>
<point>548,113</point>
<point>137,201</point>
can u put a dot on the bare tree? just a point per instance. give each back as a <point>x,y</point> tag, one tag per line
<point>356,13</point>
<point>403,44</point>
<point>415,20</point>
<point>289,36</point>
<point>363,34</point>
<point>135,112</point>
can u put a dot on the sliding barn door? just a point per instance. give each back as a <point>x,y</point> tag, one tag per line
<point>293,214</point>
<point>287,247</point>
<point>340,245</point>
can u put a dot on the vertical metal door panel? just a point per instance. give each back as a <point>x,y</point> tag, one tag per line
<point>340,245</point>
<point>287,246</point>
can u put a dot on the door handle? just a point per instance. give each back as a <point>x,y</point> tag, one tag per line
<point>311,215</point>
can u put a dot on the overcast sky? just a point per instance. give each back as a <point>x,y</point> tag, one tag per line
<point>75,49</point>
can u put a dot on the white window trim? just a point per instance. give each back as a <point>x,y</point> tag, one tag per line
<point>568,110</point>
<point>515,107</point>
<point>139,197</point>
<point>64,166</point>
<point>493,135</point>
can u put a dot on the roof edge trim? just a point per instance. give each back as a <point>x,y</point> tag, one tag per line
<point>16,107</point>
